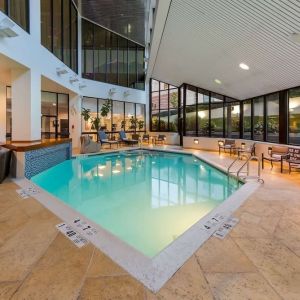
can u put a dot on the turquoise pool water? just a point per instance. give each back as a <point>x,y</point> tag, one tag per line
<point>145,198</point>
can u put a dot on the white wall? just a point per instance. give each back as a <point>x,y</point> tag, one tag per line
<point>172,138</point>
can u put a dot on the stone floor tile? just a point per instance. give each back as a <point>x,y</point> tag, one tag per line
<point>220,256</point>
<point>59,273</point>
<point>112,288</point>
<point>238,286</point>
<point>187,283</point>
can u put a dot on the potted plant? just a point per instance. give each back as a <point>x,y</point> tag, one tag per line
<point>106,108</point>
<point>140,124</point>
<point>123,124</point>
<point>95,123</point>
<point>86,114</point>
<point>133,123</point>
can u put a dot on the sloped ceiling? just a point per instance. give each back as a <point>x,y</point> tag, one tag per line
<point>126,17</point>
<point>204,40</point>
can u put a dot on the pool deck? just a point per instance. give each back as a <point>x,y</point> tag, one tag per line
<point>259,259</point>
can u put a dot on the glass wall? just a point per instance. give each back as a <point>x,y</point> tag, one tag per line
<point>18,11</point>
<point>258,119</point>
<point>294,116</point>
<point>217,115</point>
<point>59,30</point>
<point>232,119</point>
<point>164,106</point>
<point>272,115</point>
<point>121,115</point>
<point>247,119</point>
<point>55,115</point>
<point>108,57</point>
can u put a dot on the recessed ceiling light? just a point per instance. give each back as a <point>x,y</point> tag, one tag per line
<point>244,66</point>
<point>295,37</point>
<point>218,81</point>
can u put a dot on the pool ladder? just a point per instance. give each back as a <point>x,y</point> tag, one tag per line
<point>244,169</point>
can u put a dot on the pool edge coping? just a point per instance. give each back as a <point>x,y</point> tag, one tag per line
<point>153,272</point>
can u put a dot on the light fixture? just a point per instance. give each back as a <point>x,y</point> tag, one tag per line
<point>129,28</point>
<point>295,37</point>
<point>53,104</point>
<point>196,141</point>
<point>61,71</point>
<point>101,167</point>
<point>244,66</point>
<point>73,79</point>
<point>129,168</point>
<point>218,81</point>
<point>116,171</point>
<point>6,28</point>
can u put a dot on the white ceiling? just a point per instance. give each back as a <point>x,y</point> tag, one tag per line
<point>205,40</point>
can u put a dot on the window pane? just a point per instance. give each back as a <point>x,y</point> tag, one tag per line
<point>191,95</point>
<point>105,121</point>
<point>132,64</point>
<point>57,29</point>
<point>155,101</point>
<point>74,43</point>
<point>48,103</point>
<point>46,26</point>
<point>173,98</point>
<point>247,120</point>
<point>173,120</point>
<point>66,33</point>
<point>216,123</point>
<point>258,119</point>
<point>294,116</point>
<point>164,99</point>
<point>63,117</point>
<point>118,116</point>
<point>163,120</point>
<point>87,53</point>
<point>8,113</point>
<point>123,61</point>
<point>129,115</point>
<point>18,12</point>
<point>99,54</point>
<point>155,85</point>
<point>140,115</point>
<point>232,120</point>
<point>91,104</point>
<point>163,86</point>
<point>140,68</point>
<point>203,120</point>
<point>203,96</point>
<point>273,118</point>
<point>112,61</point>
<point>154,120</point>
<point>216,97</point>
<point>190,120</point>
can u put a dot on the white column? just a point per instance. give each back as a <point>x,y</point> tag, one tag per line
<point>26,105</point>
<point>35,20</point>
<point>75,119</point>
<point>2,113</point>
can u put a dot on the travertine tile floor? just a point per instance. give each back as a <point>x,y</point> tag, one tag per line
<point>259,259</point>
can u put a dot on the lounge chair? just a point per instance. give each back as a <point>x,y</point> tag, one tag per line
<point>104,139</point>
<point>88,145</point>
<point>228,144</point>
<point>125,140</point>
<point>293,159</point>
<point>146,138</point>
<point>276,154</point>
<point>160,139</point>
<point>247,150</point>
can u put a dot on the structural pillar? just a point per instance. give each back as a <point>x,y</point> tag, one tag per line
<point>26,105</point>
